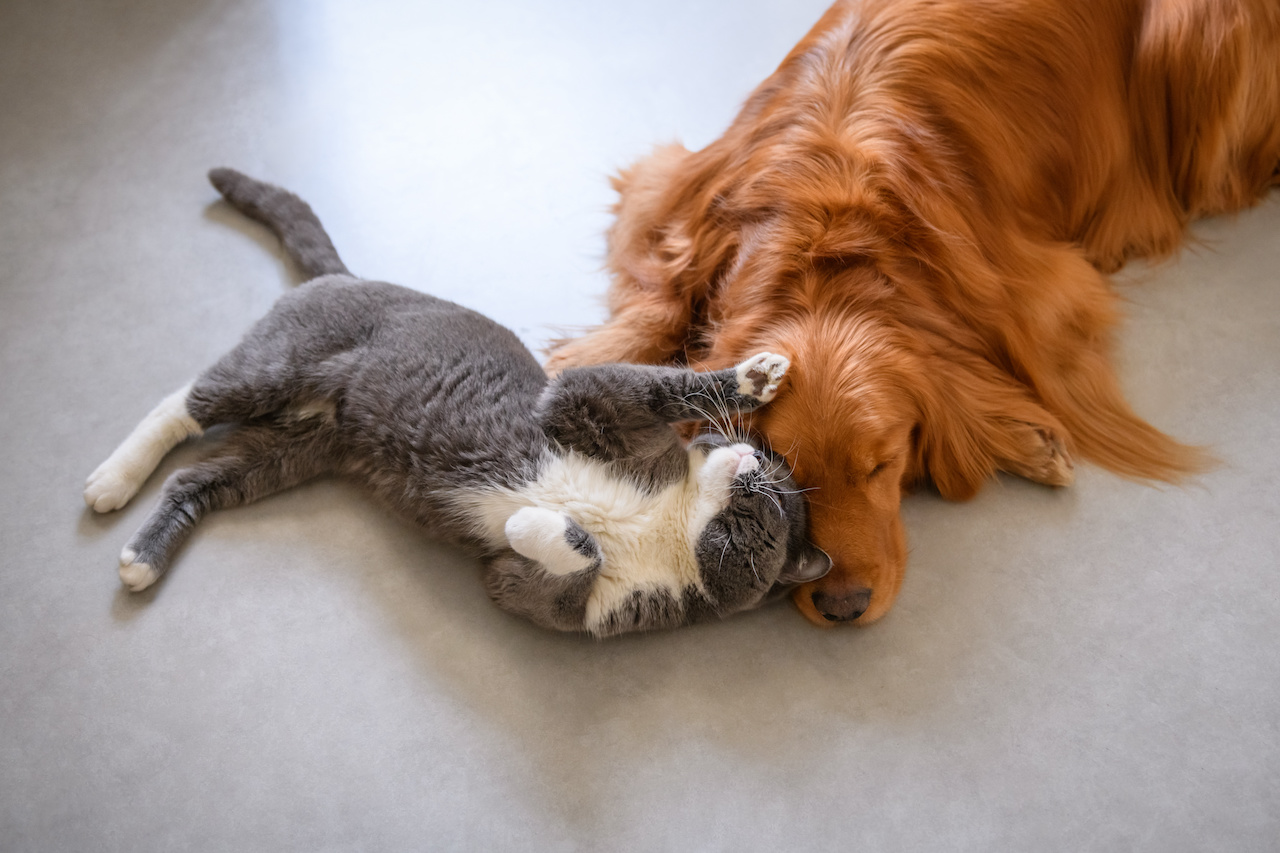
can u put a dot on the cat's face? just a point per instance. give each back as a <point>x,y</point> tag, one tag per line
<point>756,547</point>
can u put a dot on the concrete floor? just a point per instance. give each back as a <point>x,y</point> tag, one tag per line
<point>1090,669</point>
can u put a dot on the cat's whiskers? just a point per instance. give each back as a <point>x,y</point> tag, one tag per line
<point>778,465</point>
<point>772,495</point>
<point>793,491</point>
<point>723,551</point>
<point>761,485</point>
<point>713,419</point>
<point>730,425</point>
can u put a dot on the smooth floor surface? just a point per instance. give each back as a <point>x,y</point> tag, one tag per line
<point>1096,668</point>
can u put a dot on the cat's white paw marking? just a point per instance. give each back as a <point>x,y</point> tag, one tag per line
<point>539,534</point>
<point>115,481</point>
<point>136,576</point>
<point>110,486</point>
<point>760,375</point>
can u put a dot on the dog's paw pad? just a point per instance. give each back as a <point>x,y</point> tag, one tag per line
<point>110,487</point>
<point>136,576</point>
<point>760,375</point>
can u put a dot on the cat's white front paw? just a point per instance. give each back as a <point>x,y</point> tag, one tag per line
<point>136,576</point>
<point>111,486</point>
<point>760,375</point>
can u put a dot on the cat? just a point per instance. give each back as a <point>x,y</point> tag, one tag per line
<point>589,512</point>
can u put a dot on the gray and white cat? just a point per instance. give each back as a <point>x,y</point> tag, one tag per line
<point>588,510</point>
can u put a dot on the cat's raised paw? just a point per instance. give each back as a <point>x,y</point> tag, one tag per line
<point>553,540</point>
<point>760,375</point>
<point>136,576</point>
<point>110,487</point>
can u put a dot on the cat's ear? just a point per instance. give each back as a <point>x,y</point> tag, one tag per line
<point>812,564</point>
<point>553,540</point>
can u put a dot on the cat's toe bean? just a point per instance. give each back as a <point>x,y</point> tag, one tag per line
<point>760,375</point>
<point>777,366</point>
<point>133,574</point>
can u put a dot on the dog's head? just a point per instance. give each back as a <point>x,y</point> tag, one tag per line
<point>870,411</point>
<point>848,424</point>
<point>890,384</point>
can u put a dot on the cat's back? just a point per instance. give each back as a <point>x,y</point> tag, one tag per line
<point>448,352</point>
<point>434,395</point>
<point>397,327</point>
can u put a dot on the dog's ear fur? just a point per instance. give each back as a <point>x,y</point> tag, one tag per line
<point>973,415</point>
<point>950,449</point>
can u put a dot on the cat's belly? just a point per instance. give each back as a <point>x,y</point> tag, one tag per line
<point>646,539</point>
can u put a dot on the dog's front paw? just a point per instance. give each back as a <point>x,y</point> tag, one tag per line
<point>1042,455</point>
<point>760,375</point>
<point>1055,466</point>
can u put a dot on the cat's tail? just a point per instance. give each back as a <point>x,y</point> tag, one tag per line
<point>291,218</point>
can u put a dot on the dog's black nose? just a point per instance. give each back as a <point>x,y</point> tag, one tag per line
<point>842,608</point>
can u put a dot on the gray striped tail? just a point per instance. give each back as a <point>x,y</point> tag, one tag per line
<point>299,229</point>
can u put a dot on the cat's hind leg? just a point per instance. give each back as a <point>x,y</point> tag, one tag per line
<point>255,461</point>
<point>117,480</point>
<point>265,374</point>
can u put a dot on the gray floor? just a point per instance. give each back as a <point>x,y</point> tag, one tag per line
<point>1091,669</point>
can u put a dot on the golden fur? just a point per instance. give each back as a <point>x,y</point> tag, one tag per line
<point>918,207</point>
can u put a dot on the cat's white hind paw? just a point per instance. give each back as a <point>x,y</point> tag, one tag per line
<point>760,375</point>
<point>110,487</point>
<point>129,465</point>
<point>136,576</point>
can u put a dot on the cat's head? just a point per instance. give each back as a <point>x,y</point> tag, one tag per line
<point>755,546</point>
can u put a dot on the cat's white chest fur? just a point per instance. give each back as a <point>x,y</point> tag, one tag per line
<point>647,539</point>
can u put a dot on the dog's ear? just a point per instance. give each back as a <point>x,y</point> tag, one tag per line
<point>963,399</point>
<point>975,419</point>
<point>948,449</point>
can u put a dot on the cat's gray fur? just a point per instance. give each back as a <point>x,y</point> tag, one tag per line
<point>450,420</point>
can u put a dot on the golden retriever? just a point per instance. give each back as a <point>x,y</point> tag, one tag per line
<point>918,207</point>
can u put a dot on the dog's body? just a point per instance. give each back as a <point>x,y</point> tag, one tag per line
<point>916,207</point>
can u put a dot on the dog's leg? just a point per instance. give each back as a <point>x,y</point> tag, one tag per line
<point>1062,347</point>
<point>659,269</point>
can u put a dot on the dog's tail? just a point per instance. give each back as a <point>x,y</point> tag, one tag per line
<point>291,218</point>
